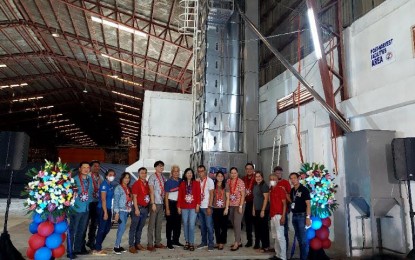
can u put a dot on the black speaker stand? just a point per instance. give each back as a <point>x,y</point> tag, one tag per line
<point>7,249</point>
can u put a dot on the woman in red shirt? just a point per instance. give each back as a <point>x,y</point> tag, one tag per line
<point>188,203</point>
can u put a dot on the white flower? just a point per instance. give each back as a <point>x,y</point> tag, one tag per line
<point>39,210</point>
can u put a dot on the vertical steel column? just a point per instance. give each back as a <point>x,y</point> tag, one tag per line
<point>251,83</point>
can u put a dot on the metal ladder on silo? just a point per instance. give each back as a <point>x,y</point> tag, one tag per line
<point>275,149</point>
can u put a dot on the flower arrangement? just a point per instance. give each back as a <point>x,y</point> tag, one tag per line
<point>322,189</point>
<point>52,191</point>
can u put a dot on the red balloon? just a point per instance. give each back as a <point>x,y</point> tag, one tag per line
<point>36,241</point>
<point>326,222</point>
<point>30,253</point>
<point>323,233</point>
<point>63,235</point>
<point>315,243</point>
<point>58,252</point>
<point>45,228</point>
<point>326,243</point>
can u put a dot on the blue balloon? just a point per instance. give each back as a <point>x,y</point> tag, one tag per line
<point>316,223</point>
<point>53,241</point>
<point>37,218</point>
<point>33,227</point>
<point>61,227</point>
<point>43,253</point>
<point>310,233</point>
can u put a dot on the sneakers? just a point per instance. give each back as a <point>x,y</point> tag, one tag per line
<point>122,249</point>
<point>117,251</point>
<point>210,248</point>
<point>201,246</point>
<point>99,252</point>
<point>161,246</point>
<point>170,247</point>
<point>132,250</point>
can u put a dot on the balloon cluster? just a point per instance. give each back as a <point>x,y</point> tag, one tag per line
<point>48,237</point>
<point>318,233</point>
<point>322,189</point>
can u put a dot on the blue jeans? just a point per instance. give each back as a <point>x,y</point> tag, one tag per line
<point>121,228</point>
<point>104,227</point>
<point>77,228</point>
<point>206,223</point>
<point>189,221</point>
<point>299,228</point>
<point>137,225</point>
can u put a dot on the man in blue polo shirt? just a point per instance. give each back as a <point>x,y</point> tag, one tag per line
<point>79,219</point>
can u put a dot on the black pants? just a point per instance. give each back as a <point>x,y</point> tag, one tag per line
<point>174,224</point>
<point>248,220</point>
<point>261,229</point>
<point>93,223</point>
<point>220,224</point>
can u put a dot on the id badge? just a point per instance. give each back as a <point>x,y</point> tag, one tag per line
<point>293,205</point>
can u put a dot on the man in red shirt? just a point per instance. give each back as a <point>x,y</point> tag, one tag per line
<point>249,180</point>
<point>285,184</point>
<point>278,208</point>
<point>139,212</point>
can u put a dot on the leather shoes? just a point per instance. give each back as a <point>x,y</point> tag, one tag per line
<point>151,248</point>
<point>161,246</point>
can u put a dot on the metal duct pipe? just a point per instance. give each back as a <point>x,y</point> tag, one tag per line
<point>332,113</point>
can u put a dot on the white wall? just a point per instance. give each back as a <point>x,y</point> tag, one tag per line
<point>167,128</point>
<point>383,98</point>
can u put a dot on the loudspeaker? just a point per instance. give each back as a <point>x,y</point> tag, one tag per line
<point>14,147</point>
<point>403,151</point>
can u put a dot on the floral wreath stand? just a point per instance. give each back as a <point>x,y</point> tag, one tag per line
<point>50,197</point>
<point>322,190</point>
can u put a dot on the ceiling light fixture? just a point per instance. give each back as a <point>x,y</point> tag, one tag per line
<point>58,121</point>
<point>129,132</point>
<point>125,80</point>
<point>125,95</point>
<point>119,26</point>
<point>127,106</point>
<point>13,85</point>
<point>38,108</point>
<point>3,66</point>
<point>48,116</point>
<point>129,121</point>
<point>27,99</point>
<point>127,114</point>
<point>127,125</point>
<point>314,33</point>
<point>63,126</point>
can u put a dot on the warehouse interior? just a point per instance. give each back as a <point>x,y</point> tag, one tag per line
<point>223,83</point>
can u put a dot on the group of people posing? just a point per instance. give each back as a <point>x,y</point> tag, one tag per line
<point>183,200</point>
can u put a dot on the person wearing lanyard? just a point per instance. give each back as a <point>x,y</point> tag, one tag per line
<point>188,204</point>
<point>300,207</point>
<point>141,199</point>
<point>205,214</point>
<point>156,185</point>
<point>260,211</point>
<point>249,180</point>
<point>122,208</point>
<point>285,184</point>
<point>106,191</point>
<point>93,206</point>
<point>79,219</point>
<point>220,211</point>
<point>278,208</point>
<point>171,189</point>
<point>235,200</point>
